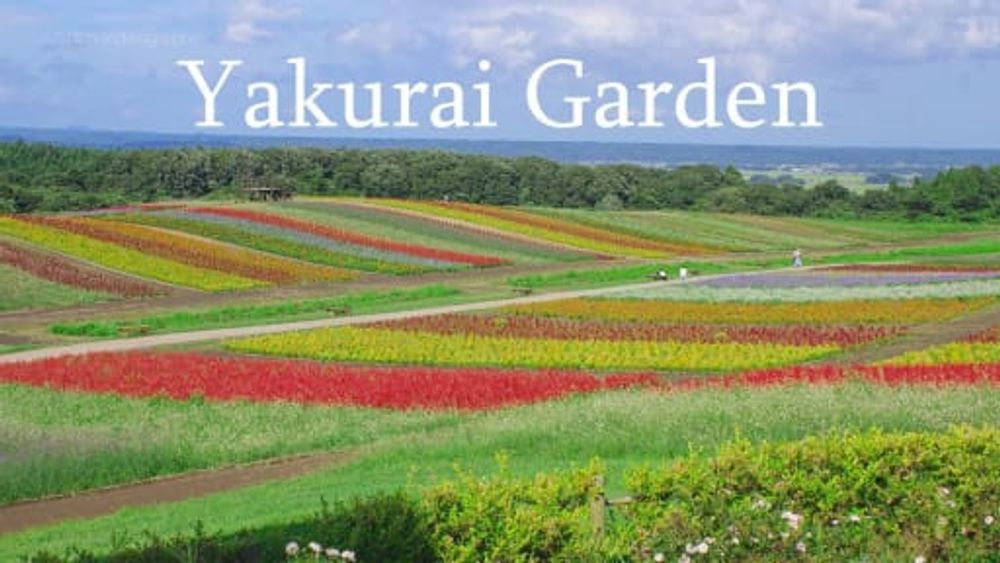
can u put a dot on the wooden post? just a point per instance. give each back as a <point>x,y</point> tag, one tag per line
<point>598,508</point>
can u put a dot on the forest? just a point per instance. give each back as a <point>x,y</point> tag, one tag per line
<point>42,177</point>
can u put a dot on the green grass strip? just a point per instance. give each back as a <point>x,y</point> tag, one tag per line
<point>971,248</point>
<point>252,314</point>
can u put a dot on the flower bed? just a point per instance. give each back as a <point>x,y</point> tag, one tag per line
<point>899,312</point>
<point>183,375</point>
<point>194,251</point>
<point>522,326</point>
<point>352,238</point>
<point>282,242</point>
<point>67,272</point>
<point>125,259</point>
<point>831,279</point>
<point>917,374</point>
<point>402,347</point>
<point>543,228</point>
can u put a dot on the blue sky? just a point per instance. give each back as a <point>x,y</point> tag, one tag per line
<point>888,72</point>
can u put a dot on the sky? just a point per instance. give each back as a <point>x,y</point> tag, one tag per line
<point>887,72</point>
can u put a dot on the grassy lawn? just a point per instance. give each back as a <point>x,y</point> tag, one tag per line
<point>21,291</point>
<point>247,315</point>
<point>413,450</point>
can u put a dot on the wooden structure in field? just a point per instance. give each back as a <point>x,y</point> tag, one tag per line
<point>267,194</point>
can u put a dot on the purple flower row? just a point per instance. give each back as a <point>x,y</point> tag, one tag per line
<point>825,279</point>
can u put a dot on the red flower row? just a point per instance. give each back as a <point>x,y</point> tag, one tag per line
<point>522,326</point>
<point>940,375</point>
<point>183,375</point>
<point>67,272</point>
<point>348,237</point>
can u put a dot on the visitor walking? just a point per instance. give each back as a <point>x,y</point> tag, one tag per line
<point>797,258</point>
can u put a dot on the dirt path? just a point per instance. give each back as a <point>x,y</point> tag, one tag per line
<point>180,338</point>
<point>922,337</point>
<point>91,504</point>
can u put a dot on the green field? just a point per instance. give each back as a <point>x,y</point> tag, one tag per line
<point>477,410</point>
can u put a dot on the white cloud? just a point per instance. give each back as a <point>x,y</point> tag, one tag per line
<point>383,37</point>
<point>510,45</point>
<point>760,36</point>
<point>248,20</point>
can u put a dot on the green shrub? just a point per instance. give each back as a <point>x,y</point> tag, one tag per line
<point>833,498</point>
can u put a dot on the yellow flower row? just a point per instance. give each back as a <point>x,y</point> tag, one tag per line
<point>123,259</point>
<point>403,347</point>
<point>910,311</point>
<point>534,231</point>
<point>955,353</point>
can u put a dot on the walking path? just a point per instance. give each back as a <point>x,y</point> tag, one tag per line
<point>91,504</point>
<point>180,338</point>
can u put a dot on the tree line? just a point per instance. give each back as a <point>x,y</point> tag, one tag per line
<point>42,177</point>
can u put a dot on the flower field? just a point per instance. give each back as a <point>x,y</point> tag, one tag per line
<point>520,326</point>
<point>60,270</point>
<point>181,376</point>
<point>405,347</point>
<point>631,377</point>
<point>429,231</point>
<point>195,252</point>
<point>940,374</point>
<point>892,312</point>
<point>431,256</point>
<point>263,238</point>
<point>124,259</point>
<point>983,352</point>
<point>545,228</point>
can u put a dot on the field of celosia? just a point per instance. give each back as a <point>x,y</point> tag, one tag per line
<point>195,252</point>
<point>406,347</point>
<point>124,259</point>
<point>401,250</point>
<point>57,269</point>
<point>181,376</point>
<point>541,227</point>
<point>906,311</point>
<point>671,371</point>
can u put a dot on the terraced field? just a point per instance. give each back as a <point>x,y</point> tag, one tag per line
<point>733,410</point>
